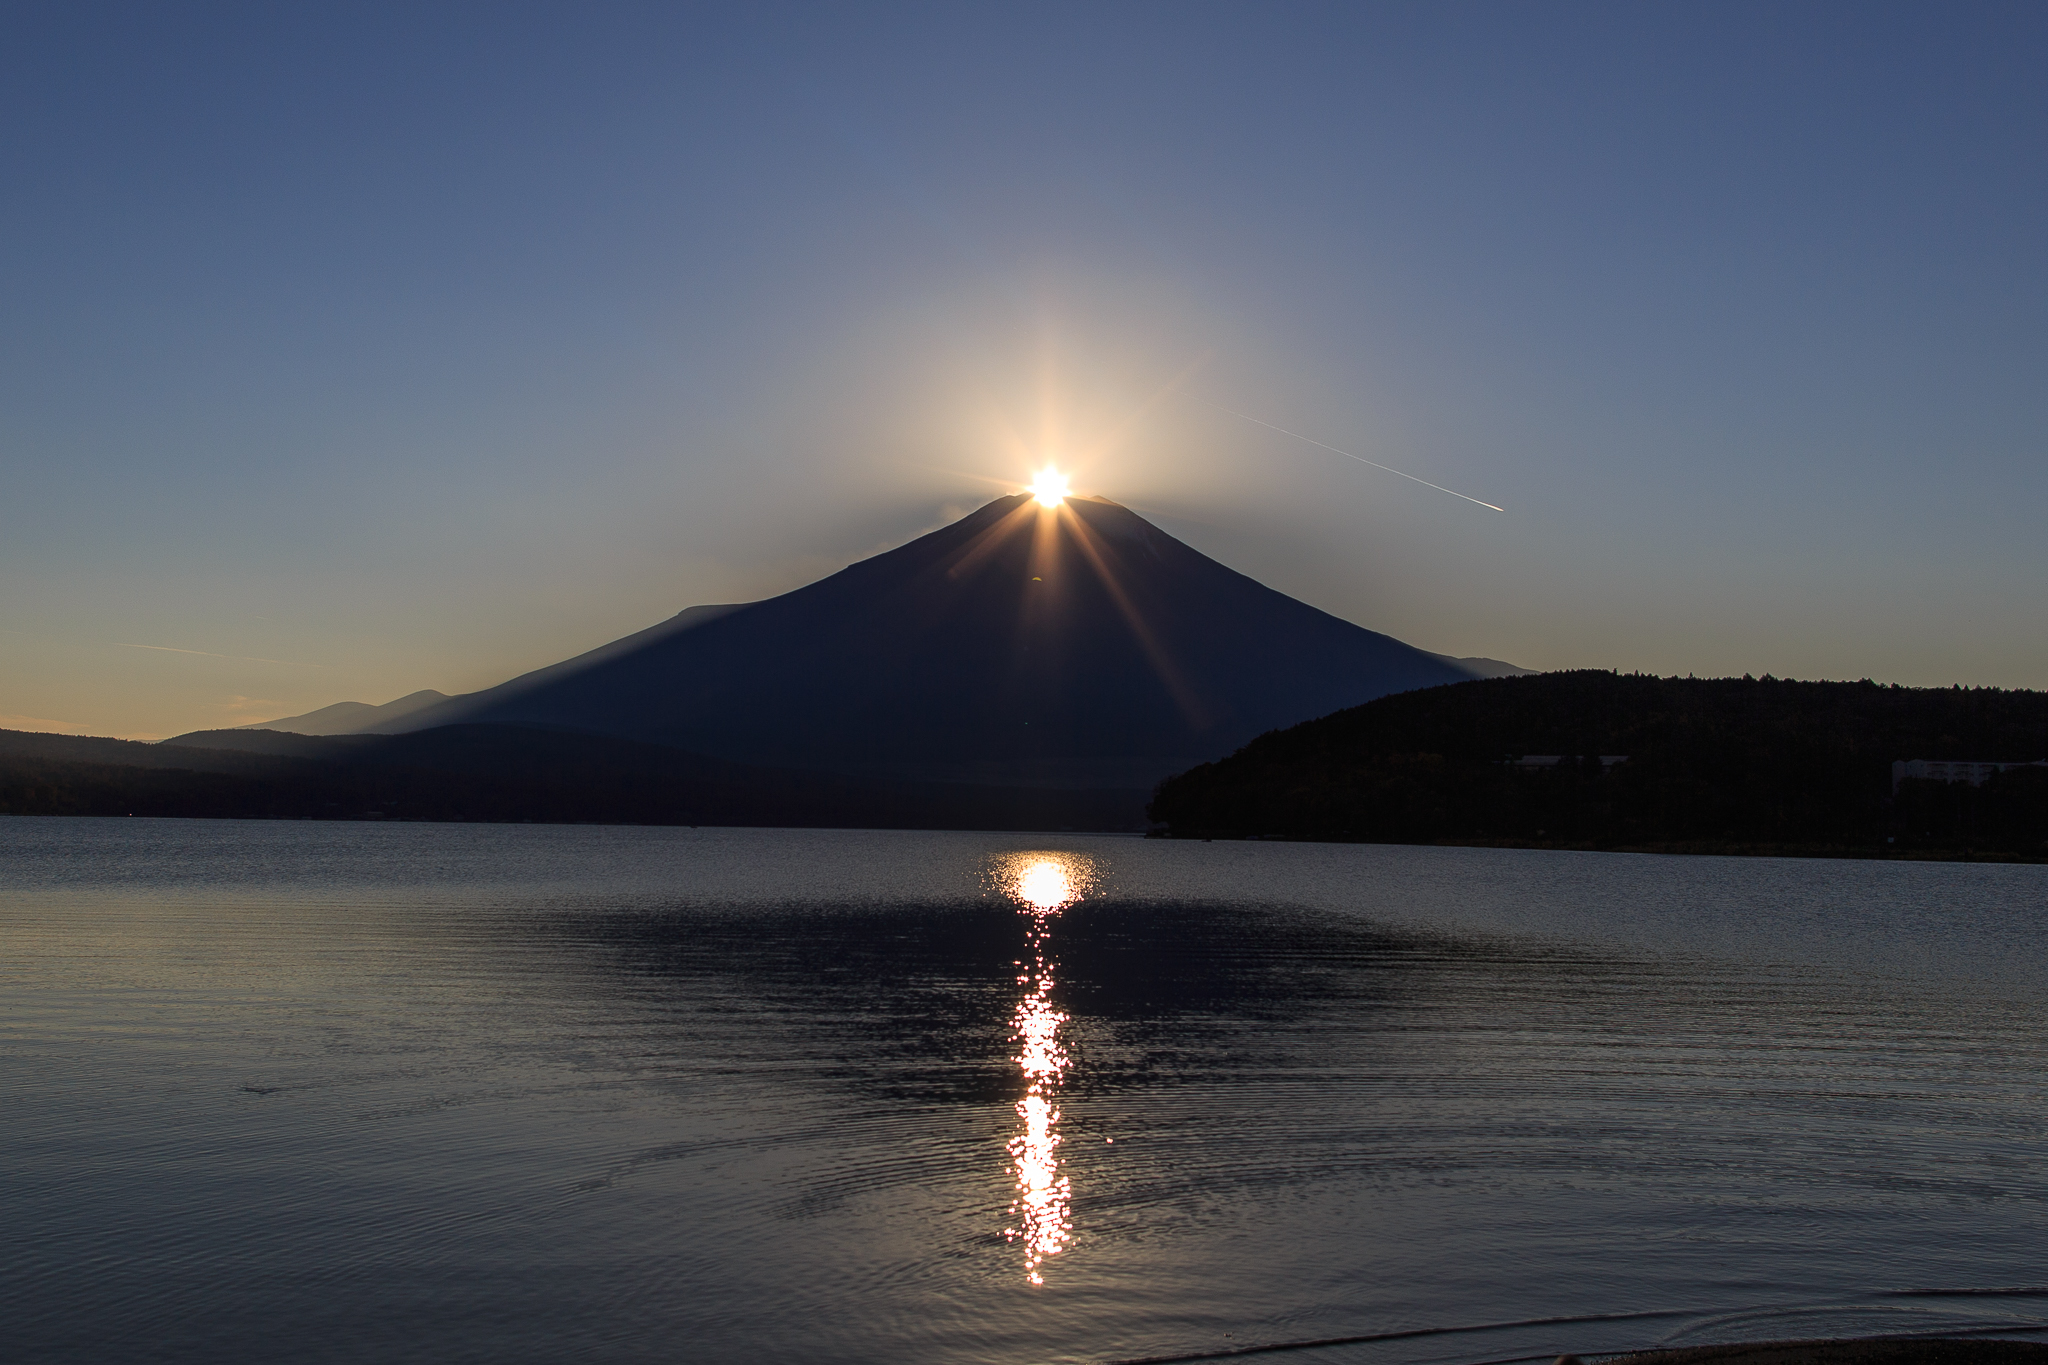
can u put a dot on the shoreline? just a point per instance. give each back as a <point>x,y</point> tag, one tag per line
<point>1696,848</point>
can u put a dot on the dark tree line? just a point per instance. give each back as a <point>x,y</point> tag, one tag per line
<point>1732,764</point>
<point>498,773</point>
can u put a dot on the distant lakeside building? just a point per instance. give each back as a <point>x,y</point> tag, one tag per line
<point>1607,761</point>
<point>1973,771</point>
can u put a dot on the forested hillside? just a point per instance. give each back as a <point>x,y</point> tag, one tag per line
<point>498,773</point>
<point>1730,764</point>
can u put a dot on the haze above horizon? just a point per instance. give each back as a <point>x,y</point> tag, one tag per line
<point>357,351</point>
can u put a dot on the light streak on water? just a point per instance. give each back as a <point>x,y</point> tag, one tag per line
<point>1042,885</point>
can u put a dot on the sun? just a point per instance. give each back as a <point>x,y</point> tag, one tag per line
<point>1050,487</point>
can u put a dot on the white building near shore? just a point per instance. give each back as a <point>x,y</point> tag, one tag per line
<point>1973,771</point>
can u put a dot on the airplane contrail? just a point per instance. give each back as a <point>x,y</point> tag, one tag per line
<point>208,654</point>
<point>1349,456</point>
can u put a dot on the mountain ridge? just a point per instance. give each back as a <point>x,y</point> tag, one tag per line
<point>352,717</point>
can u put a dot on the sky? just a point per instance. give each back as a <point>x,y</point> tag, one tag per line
<point>347,350</point>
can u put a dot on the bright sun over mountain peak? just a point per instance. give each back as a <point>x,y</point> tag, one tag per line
<point>1050,487</point>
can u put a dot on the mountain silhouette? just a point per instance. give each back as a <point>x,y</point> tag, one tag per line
<point>350,717</point>
<point>1076,645</point>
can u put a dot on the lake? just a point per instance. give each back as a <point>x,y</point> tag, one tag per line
<point>410,1092</point>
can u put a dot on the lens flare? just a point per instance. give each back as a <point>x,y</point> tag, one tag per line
<point>1050,487</point>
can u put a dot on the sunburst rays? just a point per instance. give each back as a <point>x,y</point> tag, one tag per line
<point>1053,529</point>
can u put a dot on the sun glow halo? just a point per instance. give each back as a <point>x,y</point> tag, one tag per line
<point>1050,487</point>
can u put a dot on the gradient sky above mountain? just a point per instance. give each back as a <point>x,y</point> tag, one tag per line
<point>361,349</point>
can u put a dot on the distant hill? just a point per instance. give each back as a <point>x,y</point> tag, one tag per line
<point>1079,646</point>
<point>1758,765</point>
<point>1480,667</point>
<point>351,717</point>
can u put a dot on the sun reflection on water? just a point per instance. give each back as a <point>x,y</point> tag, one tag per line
<point>1042,884</point>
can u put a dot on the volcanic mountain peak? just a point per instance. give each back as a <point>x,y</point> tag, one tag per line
<point>1068,645</point>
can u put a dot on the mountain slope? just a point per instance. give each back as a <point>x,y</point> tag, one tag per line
<point>1077,645</point>
<point>361,718</point>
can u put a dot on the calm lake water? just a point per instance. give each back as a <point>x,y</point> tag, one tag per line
<point>402,1093</point>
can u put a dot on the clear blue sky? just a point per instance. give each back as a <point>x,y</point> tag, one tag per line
<point>359,349</point>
